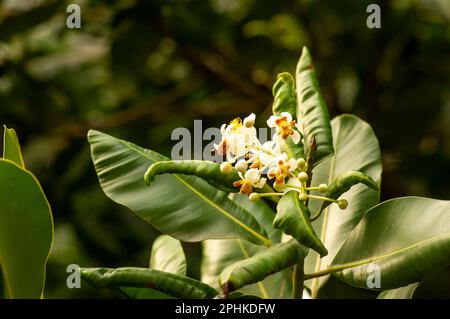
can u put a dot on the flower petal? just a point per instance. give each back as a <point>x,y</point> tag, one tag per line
<point>271,121</point>
<point>252,175</point>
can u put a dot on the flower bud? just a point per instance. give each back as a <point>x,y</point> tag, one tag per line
<point>303,197</point>
<point>249,121</point>
<point>342,203</point>
<point>226,167</point>
<point>241,166</point>
<point>254,197</point>
<point>323,188</point>
<point>301,163</point>
<point>279,186</point>
<point>303,177</point>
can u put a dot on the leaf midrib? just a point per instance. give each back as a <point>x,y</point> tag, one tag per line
<point>361,262</point>
<point>265,240</point>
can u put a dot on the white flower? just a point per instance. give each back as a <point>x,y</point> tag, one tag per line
<point>236,140</point>
<point>249,121</point>
<point>252,178</point>
<point>241,165</point>
<point>284,168</point>
<point>285,127</point>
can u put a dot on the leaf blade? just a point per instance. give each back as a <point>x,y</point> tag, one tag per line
<point>11,147</point>
<point>415,245</point>
<point>168,255</point>
<point>356,149</point>
<point>171,284</point>
<point>26,232</point>
<point>312,111</point>
<point>293,218</point>
<point>184,207</point>
<point>261,265</point>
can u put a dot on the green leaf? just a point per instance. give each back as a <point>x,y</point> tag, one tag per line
<point>206,170</point>
<point>406,238</point>
<point>168,283</point>
<point>283,92</point>
<point>261,265</point>
<point>26,232</point>
<point>11,147</point>
<point>293,218</point>
<point>168,255</point>
<point>406,292</point>
<point>356,149</point>
<point>218,254</point>
<point>285,100</point>
<point>344,182</point>
<point>184,207</point>
<point>312,112</point>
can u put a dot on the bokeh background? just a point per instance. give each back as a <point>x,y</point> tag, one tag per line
<point>139,69</point>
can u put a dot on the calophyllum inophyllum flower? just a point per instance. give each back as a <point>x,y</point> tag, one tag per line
<point>260,163</point>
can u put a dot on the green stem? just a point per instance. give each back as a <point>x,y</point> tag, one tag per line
<point>323,198</point>
<point>297,281</point>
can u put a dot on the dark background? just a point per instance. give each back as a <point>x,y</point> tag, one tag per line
<point>139,69</point>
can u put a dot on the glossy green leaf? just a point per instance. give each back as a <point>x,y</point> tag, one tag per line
<point>206,170</point>
<point>218,254</point>
<point>283,92</point>
<point>184,207</point>
<point>344,182</point>
<point>293,218</point>
<point>261,265</point>
<point>168,283</point>
<point>285,100</point>
<point>356,149</point>
<point>312,111</point>
<point>406,238</point>
<point>26,232</point>
<point>168,255</point>
<point>406,292</point>
<point>11,147</point>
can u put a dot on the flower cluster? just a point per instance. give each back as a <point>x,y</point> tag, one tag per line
<point>260,163</point>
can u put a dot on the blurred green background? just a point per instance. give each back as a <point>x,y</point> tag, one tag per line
<point>139,69</point>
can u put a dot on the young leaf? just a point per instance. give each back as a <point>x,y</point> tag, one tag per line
<point>293,218</point>
<point>11,147</point>
<point>168,255</point>
<point>206,170</point>
<point>344,182</point>
<point>312,112</point>
<point>406,292</point>
<point>261,265</point>
<point>184,207</point>
<point>218,254</point>
<point>356,149</point>
<point>174,285</point>
<point>415,242</point>
<point>283,92</point>
<point>26,232</point>
<point>285,100</point>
